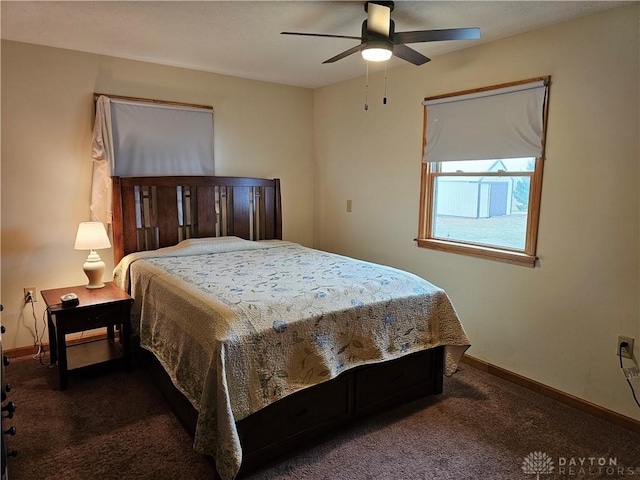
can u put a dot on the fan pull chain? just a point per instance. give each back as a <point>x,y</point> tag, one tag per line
<point>366,90</point>
<point>384,99</point>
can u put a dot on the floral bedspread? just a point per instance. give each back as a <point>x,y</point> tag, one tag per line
<point>239,325</point>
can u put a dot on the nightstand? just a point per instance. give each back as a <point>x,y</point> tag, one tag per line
<point>98,308</point>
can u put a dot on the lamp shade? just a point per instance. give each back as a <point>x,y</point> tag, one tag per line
<point>91,236</point>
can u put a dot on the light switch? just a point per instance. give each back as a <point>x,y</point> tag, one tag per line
<point>349,202</point>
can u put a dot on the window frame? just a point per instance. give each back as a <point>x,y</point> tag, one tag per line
<point>430,172</point>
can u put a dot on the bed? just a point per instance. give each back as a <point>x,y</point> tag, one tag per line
<point>262,344</point>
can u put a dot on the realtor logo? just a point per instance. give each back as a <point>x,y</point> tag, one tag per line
<point>537,463</point>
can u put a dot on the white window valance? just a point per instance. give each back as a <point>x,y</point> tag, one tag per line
<point>495,123</point>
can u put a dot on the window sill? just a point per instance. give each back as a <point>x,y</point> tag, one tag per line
<point>496,254</point>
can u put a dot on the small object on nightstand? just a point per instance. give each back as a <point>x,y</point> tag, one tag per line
<point>69,300</point>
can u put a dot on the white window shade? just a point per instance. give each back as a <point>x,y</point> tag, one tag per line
<point>153,140</point>
<point>498,123</point>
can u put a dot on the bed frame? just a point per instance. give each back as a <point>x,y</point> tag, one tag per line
<point>153,212</point>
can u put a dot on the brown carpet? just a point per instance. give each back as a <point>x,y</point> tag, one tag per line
<point>117,426</point>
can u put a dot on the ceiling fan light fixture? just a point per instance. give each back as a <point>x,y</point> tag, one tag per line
<point>379,41</point>
<point>377,52</point>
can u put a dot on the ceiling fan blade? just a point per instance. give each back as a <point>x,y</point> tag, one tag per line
<point>410,55</point>
<point>378,19</point>
<point>437,35</point>
<point>346,53</point>
<point>320,35</point>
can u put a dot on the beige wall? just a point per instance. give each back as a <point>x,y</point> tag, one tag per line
<point>261,130</point>
<point>558,323</point>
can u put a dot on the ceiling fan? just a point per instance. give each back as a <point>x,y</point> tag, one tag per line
<point>379,40</point>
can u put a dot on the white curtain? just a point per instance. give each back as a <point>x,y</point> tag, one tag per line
<point>102,153</point>
<point>152,139</point>
<point>498,123</point>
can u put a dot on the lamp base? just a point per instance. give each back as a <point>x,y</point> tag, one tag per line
<point>94,269</point>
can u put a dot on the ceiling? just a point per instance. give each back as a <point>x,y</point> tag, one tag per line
<point>242,38</point>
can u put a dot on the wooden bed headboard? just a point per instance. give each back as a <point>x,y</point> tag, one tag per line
<point>154,212</point>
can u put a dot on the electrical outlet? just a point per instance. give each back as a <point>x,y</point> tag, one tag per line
<point>30,294</point>
<point>627,351</point>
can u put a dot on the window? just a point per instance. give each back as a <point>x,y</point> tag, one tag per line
<point>481,176</point>
<point>161,138</point>
<point>135,137</point>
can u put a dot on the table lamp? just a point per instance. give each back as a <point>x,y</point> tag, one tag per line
<point>92,236</point>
